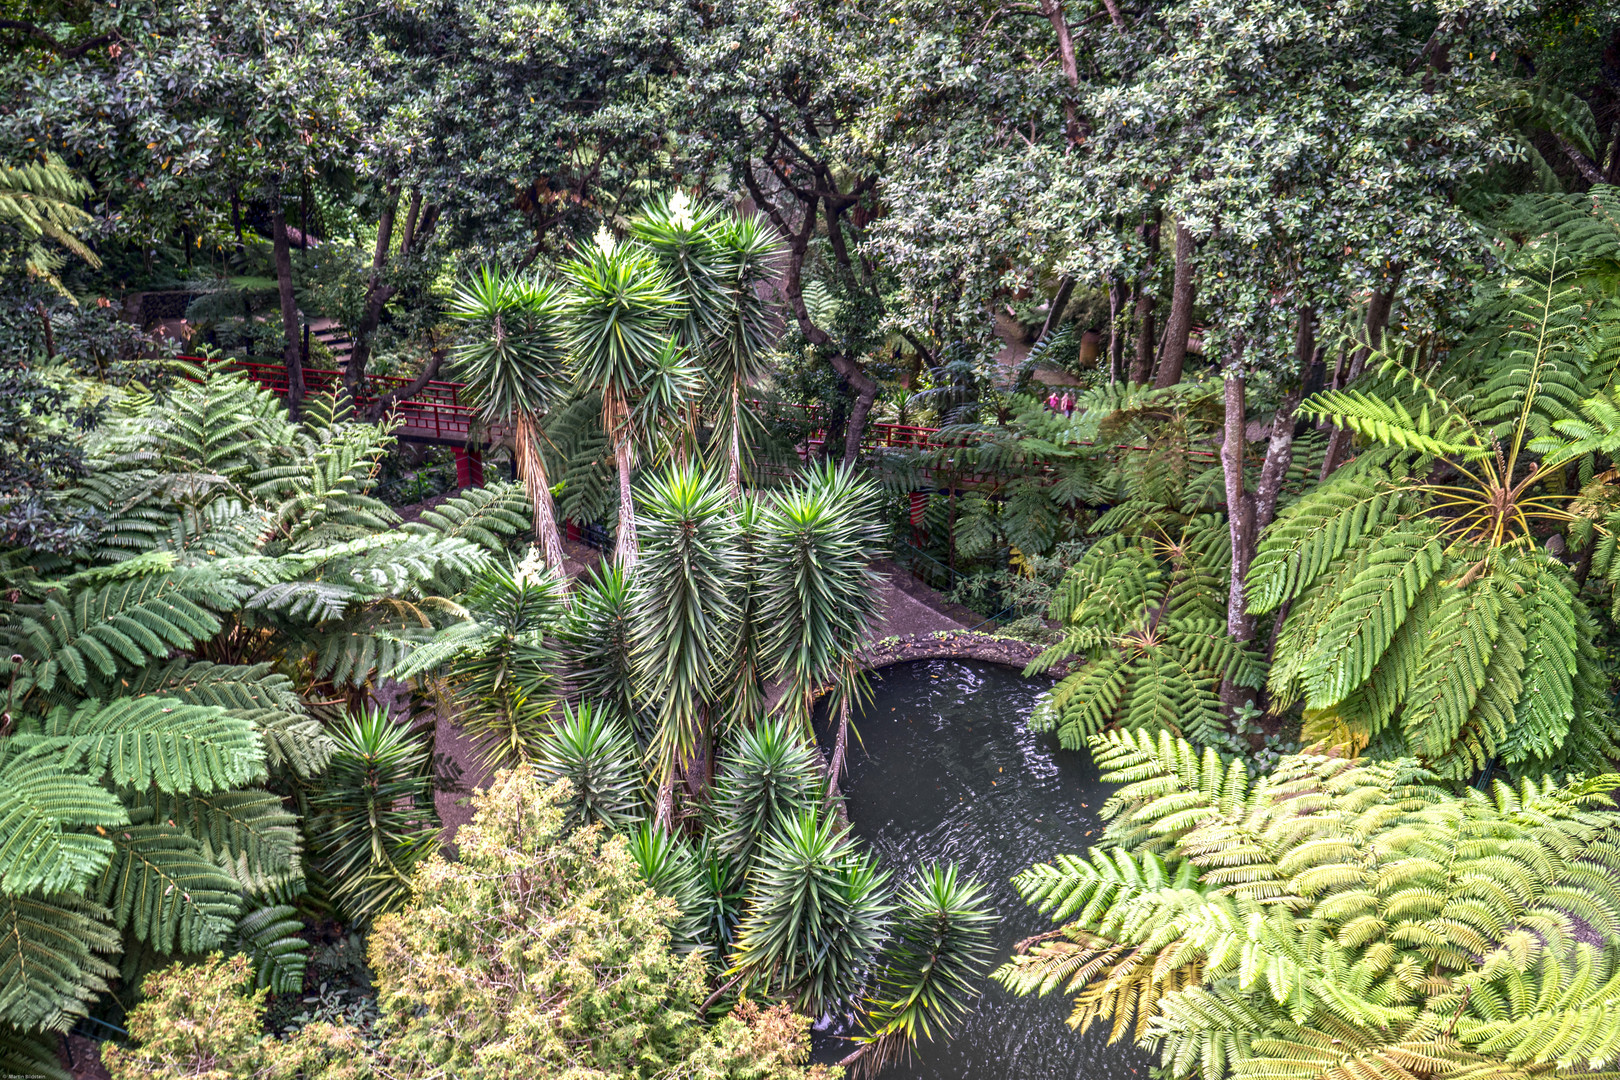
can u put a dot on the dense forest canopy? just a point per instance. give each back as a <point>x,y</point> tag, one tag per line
<point>1250,368</point>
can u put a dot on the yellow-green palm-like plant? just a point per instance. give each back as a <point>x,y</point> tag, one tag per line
<point>41,200</point>
<point>1422,610</point>
<point>1336,918</point>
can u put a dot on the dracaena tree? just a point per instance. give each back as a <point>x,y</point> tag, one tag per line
<point>687,623</point>
<point>721,263</point>
<point>818,596</point>
<point>513,356</point>
<point>621,309</point>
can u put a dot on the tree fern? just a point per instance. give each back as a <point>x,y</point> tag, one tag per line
<point>31,1053</point>
<point>155,741</point>
<point>1144,625</point>
<point>41,199</point>
<point>99,632</point>
<point>162,886</point>
<point>42,809</point>
<point>51,965</point>
<point>491,516</point>
<point>248,834</point>
<point>1418,599</point>
<point>1336,917</point>
<point>269,935</point>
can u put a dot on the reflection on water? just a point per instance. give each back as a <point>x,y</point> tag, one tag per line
<point>946,770</point>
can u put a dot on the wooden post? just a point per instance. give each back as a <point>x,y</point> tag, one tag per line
<point>469,467</point>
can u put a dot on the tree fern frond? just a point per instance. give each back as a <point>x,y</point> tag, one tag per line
<point>164,889</point>
<point>1313,534</point>
<point>269,935</point>
<point>41,806</point>
<point>50,959</point>
<point>157,741</point>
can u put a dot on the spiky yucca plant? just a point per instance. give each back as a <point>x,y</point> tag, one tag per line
<point>718,261</point>
<point>621,307</point>
<point>493,667</point>
<point>817,594</point>
<point>373,817</point>
<point>929,971</point>
<point>685,627</point>
<point>671,865</point>
<point>513,356</point>
<point>770,773</point>
<point>592,749</point>
<point>816,914</point>
<point>596,639</point>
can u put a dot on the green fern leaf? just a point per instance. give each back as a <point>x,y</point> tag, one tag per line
<point>1313,534</point>
<point>30,1053</point>
<point>39,806</point>
<point>1453,668</point>
<point>163,888</point>
<point>50,970</point>
<point>271,937</point>
<point>144,741</point>
<point>1369,614</point>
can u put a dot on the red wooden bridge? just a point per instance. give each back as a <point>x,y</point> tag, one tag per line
<point>439,413</point>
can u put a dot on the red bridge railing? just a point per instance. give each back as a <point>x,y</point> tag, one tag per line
<point>438,410</point>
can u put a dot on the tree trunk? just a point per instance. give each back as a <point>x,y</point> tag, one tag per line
<point>1378,308</point>
<point>1280,446</point>
<point>626,548</point>
<point>840,746</point>
<point>1179,323</point>
<point>1116,340</point>
<point>532,468</point>
<point>1142,365</point>
<point>865,396</point>
<point>291,354</point>
<point>698,769</point>
<point>1240,504</point>
<point>666,800</point>
<point>793,289</point>
<point>429,372</point>
<point>1074,128</point>
<point>378,293</point>
<point>734,450</point>
<point>1146,299</point>
<point>236,223</point>
<point>1054,316</point>
<point>1240,517</point>
<point>50,331</point>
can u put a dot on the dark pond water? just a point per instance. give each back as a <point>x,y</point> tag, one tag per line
<point>948,771</point>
